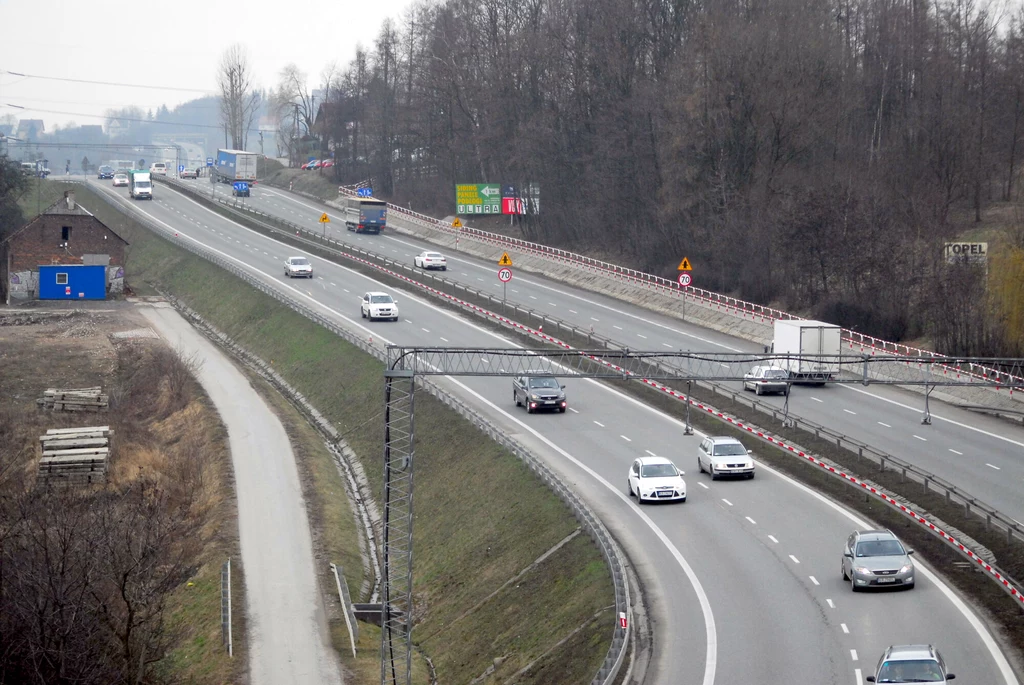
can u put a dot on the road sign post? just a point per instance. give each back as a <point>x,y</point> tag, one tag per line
<point>504,275</point>
<point>324,220</point>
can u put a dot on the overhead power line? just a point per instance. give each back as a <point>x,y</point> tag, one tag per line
<point>108,83</point>
<point>219,127</point>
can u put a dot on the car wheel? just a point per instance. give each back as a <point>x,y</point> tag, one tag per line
<point>561,410</point>
<point>757,389</point>
<point>842,569</point>
<point>444,268</point>
<point>362,313</point>
<point>910,586</point>
<point>529,409</point>
<point>629,486</point>
<point>751,476</point>
<point>395,319</point>
<point>711,470</point>
<point>700,465</point>
<point>516,398</point>
<point>853,584</point>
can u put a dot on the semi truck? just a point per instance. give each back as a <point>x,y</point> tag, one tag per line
<point>233,165</point>
<point>365,215</point>
<point>140,185</point>
<point>813,349</point>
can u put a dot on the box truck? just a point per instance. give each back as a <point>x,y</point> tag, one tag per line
<point>365,215</point>
<point>140,185</point>
<point>234,165</point>
<point>813,350</point>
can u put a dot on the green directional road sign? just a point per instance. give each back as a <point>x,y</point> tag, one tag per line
<point>477,198</point>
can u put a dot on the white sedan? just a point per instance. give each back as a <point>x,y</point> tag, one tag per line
<point>120,180</point>
<point>298,267</point>
<point>656,478</point>
<point>431,260</point>
<point>378,305</point>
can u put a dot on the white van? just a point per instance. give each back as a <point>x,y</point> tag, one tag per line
<point>158,168</point>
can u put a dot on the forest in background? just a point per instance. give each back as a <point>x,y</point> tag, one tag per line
<point>809,154</point>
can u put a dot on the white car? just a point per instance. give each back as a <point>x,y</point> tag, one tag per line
<point>120,180</point>
<point>656,478</point>
<point>158,168</point>
<point>377,305</point>
<point>298,267</point>
<point>431,260</point>
<point>722,456</point>
<point>762,379</point>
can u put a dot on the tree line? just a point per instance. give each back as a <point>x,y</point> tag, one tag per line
<point>811,154</point>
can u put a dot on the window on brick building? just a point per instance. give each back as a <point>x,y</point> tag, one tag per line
<point>65,233</point>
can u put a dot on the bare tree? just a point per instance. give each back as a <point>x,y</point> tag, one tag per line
<point>239,100</point>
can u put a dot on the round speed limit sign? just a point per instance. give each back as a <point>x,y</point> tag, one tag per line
<point>504,274</point>
<point>685,280</point>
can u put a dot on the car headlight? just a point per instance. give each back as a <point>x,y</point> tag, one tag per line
<point>534,397</point>
<point>862,570</point>
<point>907,569</point>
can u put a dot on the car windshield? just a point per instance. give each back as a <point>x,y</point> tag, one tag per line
<point>544,383</point>
<point>105,168</point>
<point>381,299</point>
<point>879,548</point>
<point>923,671</point>
<point>775,373</point>
<point>121,177</point>
<point>142,185</point>
<point>730,450</point>
<point>658,471</point>
<point>299,261</point>
<point>434,255</point>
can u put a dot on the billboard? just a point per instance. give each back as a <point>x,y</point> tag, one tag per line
<point>477,198</point>
<point>966,253</point>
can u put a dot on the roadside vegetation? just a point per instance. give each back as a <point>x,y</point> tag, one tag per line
<point>119,582</point>
<point>482,517</point>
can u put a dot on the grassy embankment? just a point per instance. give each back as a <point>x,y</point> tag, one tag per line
<point>470,539</point>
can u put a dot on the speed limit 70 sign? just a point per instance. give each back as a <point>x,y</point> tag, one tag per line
<point>505,274</point>
<point>685,280</point>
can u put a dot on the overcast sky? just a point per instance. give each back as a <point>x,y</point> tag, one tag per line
<point>168,44</point>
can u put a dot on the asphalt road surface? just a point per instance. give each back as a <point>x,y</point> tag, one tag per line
<point>288,640</point>
<point>742,580</point>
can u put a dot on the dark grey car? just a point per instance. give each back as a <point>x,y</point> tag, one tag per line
<point>911,664</point>
<point>877,559</point>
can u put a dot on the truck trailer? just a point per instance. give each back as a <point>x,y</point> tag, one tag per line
<point>365,215</point>
<point>234,165</point>
<point>814,350</point>
<point>140,185</point>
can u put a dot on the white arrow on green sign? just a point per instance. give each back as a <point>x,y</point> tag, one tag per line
<point>477,198</point>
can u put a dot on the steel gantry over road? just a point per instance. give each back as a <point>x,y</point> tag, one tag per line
<point>405,363</point>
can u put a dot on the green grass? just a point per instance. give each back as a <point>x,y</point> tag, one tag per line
<point>468,542</point>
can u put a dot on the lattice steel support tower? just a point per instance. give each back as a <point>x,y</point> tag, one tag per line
<point>396,590</point>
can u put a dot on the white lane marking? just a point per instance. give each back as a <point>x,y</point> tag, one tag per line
<point>993,466</point>
<point>334,284</point>
<point>593,319</point>
<point>444,338</point>
<point>407,321</point>
<point>485,361</point>
<point>703,486</point>
<point>625,438</point>
<point>815,399</point>
<point>727,501</point>
<point>955,452</point>
<point>617,327</point>
<point>599,423</point>
<point>884,424</point>
<point>573,311</point>
<point>773,539</point>
<point>795,560</point>
<point>666,345</point>
<point>651,453</point>
<point>831,604</point>
<point>641,336</point>
<point>853,654</point>
<point>850,412</point>
<point>858,676</point>
<point>958,424</point>
<point>921,439</point>
<point>512,289</point>
<point>814,580</point>
<point>552,304</point>
<point>574,411</point>
<point>845,629</point>
<point>751,520</point>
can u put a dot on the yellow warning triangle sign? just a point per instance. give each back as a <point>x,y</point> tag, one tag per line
<point>684,265</point>
<point>324,219</point>
<point>505,260</point>
<point>457,223</point>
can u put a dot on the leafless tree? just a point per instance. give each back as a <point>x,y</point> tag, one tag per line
<point>239,99</point>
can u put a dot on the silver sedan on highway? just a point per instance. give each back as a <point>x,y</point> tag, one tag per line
<point>877,559</point>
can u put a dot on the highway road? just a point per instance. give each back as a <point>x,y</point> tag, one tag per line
<point>743,579</point>
<point>982,454</point>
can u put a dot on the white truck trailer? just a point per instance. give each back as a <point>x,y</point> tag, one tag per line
<point>814,350</point>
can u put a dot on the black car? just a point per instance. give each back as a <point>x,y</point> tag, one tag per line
<point>105,172</point>
<point>538,393</point>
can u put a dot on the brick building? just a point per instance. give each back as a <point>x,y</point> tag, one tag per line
<point>65,233</point>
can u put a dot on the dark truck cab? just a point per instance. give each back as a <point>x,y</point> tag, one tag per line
<point>539,393</point>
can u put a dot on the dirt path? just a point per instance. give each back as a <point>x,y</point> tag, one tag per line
<point>288,638</point>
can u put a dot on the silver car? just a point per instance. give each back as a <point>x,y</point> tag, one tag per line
<point>875,559</point>
<point>762,379</point>
<point>911,664</point>
<point>724,456</point>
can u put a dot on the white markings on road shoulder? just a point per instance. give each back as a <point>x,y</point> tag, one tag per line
<point>955,452</point>
<point>599,424</point>
<point>751,520</point>
<point>993,466</point>
<point>814,580</point>
<point>444,338</point>
<point>853,654</point>
<point>795,560</point>
<point>921,439</point>
<point>727,501</point>
<point>423,329</point>
<point>845,629</point>
<point>831,604</point>
<point>884,424</point>
<point>773,539</point>
<point>815,399</point>
<point>850,412</point>
<point>625,438</point>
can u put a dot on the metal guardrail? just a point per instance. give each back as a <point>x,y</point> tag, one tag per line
<point>930,482</point>
<point>581,511</point>
<point>730,305</point>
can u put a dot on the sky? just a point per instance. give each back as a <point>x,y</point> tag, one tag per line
<point>175,45</point>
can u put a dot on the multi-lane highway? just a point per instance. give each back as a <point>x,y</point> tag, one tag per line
<point>743,580</point>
